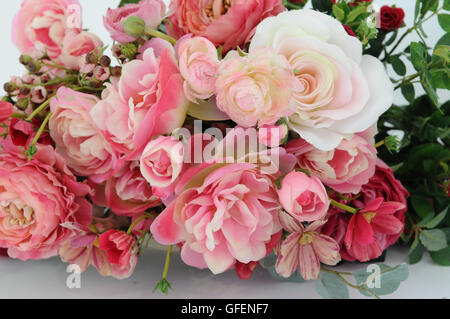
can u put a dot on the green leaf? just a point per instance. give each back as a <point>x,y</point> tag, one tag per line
<point>446,5</point>
<point>269,261</point>
<point>322,5</point>
<point>408,92</point>
<point>443,52</point>
<point>436,220</point>
<point>427,5</point>
<point>330,286</point>
<point>415,251</point>
<point>433,239</point>
<point>296,277</point>
<point>422,206</point>
<point>442,257</point>
<point>427,83</point>
<point>355,13</point>
<point>398,65</point>
<point>444,21</point>
<point>125,2</point>
<point>389,279</point>
<point>418,56</point>
<point>338,13</point>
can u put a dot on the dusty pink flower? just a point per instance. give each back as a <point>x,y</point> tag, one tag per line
<point>305,249</point>
<point>198,62</point>
<point>146,101</point>
<point>126,192</point>
<point>272,135</point>
<point>364,238</point>
<point>304,198</point>
<point>41,204</point>
<point>77,138</point>
<point>151,11</point>
<point>120,248</point>
<point>41,25</point>
<point>76,46</point>
<point>226,214</point>
<point>6,109</point>
<point>256,89</point>
<point>345,169</point>
<point>226,23</point>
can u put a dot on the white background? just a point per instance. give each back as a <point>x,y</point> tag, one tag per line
<point>47,278</point>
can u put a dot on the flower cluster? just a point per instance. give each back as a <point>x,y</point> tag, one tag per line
<point>232,130</point>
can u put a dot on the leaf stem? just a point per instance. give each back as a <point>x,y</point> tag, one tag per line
<point>158,34</point>
<point>42,107</point>
<point>343,206</point>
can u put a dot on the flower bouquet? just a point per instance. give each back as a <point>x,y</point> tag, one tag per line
<point>243,134</point>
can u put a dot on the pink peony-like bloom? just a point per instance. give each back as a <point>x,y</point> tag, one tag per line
<point>199,63</point>
<point>120,248</point>
<point>304,198</point>
<point>225,23</point>
<point>41,26</point>
<point>162,162</point>
<point>151,11</point>
<point>76,46</point>
<point>223,215</point>
<point>77,138</point>
<point>41,204</point>
<point>364,239</point>
<point>6,109</point>
<point>256,89</point>
<point>146,101</point>
<point>343,92</point>
<point>126,192</point>
<point>272,135</point>
<point>305,249</point>
<point>345,169</point>
<point>382,185</point>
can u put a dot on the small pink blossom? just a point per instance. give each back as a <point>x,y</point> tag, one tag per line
<point>76,46</point>
<point>6,109</point>
<point>272,135</point>
<point>120,248</point>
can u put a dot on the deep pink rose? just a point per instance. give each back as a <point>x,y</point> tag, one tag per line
<point>126,192</point>
<point>41,204</point>
<point>345,169</point>
<point>120,248</point>
<point>304,198</point>
<point>41,25</point>
<point>147,101</point>
<point>77,138</point>
<point>151,11</point>
<point>226,23</point>
<point>6,110</point>
<point>76,46</point>
<point>225,214</point>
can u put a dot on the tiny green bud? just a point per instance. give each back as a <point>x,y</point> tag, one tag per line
<point>34,66</point>
<point>23,103</point>
<point>129,50</point>
<point>25,59</point>
<point>9,87</point>
<point>134,26</point>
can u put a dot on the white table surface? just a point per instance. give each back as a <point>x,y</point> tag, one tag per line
<point>47,278</point>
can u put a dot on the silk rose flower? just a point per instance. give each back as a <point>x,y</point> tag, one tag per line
<point>41,204</point>
<point>222,215</point>
<point>343,91</point>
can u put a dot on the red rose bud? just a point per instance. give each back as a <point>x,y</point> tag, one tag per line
<point>391,18</point>
<point>6,110</point>
<point>356,2</point>
<point>349,30</point>
<point>23,132</point>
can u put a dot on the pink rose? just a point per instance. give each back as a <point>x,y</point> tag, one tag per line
<point>151,11</point>
<point>146,101</point>
<point>304,198</point>
<point>162,161</point>
<point>6,109</point>
<point>76,46</point>
<point>198,65</point>
<point>304,249</point>
<point>345,169</point>
<point>256,89</point>
<point>223,215</point>
<point>126,192</point>
<point>272,135</point>
<point>77,138</point>
<point>226,23</point>
<point>120,248</point>
<point>41,204</point>
<point>41,25</point>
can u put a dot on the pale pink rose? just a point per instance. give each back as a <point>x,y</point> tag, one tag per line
<point>256,89</point>
<point>162,161</point>
<point>146,101</point>
<point>272,135</point>
<point>223,215</point>
<point>304,249</point>
<point>304,198</point>
<point>229,23</point>
<point>198,62</point>
<point>343,91</point>
<point>41,25</point>
<point>126,192</point>
<point>76,46</point>
<point>151,11</point>
<point>41,204</point>
<point>77,138</point>
<point>345,169</point>
<point>121,248</point>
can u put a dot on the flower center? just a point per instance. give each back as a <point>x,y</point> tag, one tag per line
<point>369,216</point>
<point>19,213</point>
<point>217,8</point>
<point>307,238</point>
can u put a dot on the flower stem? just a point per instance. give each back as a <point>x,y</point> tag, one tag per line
<point>42,107</point>
<point>137,221</point>
<point>343,206</point>
<point>166,266</point>
<point>19,115</point>
<point>159,34</point>
<point>38,134</point>
<point>380,143</point>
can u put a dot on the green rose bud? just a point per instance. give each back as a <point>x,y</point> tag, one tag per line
<point>134,26</point>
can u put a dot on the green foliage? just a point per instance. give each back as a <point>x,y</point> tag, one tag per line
<point>125,2</point>
<point>390,279</point>
<point>330,286</point>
